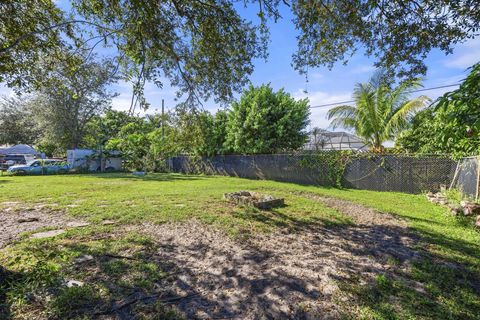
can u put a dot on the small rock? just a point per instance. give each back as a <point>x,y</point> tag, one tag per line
<point>470,208</point>
<point>108,222</point>
<point>76,224</point>
<point>440,195</point>
<point>477,222</point>
<point>433,200</point>
<point>74,283</point>
<point>455,209</point>
<point>84,258</point>
<point>264,202</point>
<point>47,234</point>
<point>28,219</point>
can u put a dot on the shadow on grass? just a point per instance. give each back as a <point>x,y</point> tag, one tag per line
<point>376,266</point>
<point>5,278</point>
<point>275,218</point>
<point>150,176</point>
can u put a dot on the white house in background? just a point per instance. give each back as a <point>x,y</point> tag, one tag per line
<point>319,139</point>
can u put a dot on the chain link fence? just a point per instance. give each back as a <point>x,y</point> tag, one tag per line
<point>402,173</point>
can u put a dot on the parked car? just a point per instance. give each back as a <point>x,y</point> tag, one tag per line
<point>41,166</point>
<point>13,159</point>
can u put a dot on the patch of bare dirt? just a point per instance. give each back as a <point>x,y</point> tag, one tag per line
<point>279,275</point>
<point>15,219</point>
<point>360,214</point>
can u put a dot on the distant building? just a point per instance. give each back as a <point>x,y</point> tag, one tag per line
<point>319,139</point>
<point>19,149</point>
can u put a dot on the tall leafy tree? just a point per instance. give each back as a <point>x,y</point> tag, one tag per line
<point>199,132</point>
<point>207,47</point>
<point>29,31</point>
<point>18,121</point>
<point>452,125</point>
<point>103,127</point>
<point>398,34</point>
<point>71,96</point>
<point>264,121</point>
<point>380,111</point>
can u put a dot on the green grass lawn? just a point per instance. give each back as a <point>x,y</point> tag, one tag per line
<point>36,265</point>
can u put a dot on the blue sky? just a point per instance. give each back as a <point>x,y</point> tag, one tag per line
<point>324,86</point>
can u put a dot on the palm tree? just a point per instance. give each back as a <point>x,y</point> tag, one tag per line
<point>380,111</point>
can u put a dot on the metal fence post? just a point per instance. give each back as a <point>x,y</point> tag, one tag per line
<point>478,179</point>
<point>455,175</point>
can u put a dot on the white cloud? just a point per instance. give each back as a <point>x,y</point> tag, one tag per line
<point>465,55</point>
<point>5,91</point>
<point>322,97</point>
<point>318,116</point>
<point>363,69</point>
<point>153,94</point>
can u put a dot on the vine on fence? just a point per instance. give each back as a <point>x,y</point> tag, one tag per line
<point>334,163</point>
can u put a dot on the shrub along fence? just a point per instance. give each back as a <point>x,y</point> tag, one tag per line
<point>402,173</point>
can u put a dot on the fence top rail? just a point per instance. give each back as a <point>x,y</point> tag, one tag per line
<point>406,155</point>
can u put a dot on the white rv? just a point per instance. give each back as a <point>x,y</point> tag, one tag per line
<point>94,160</point>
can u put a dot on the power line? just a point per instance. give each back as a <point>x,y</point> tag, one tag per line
<point>419,90</point>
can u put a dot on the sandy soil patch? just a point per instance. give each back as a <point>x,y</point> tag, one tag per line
<point>15,219</point>
<point>279,275</point>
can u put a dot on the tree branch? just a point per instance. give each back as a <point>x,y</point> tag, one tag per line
<point>25,36</point>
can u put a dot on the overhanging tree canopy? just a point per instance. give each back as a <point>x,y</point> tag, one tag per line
<point>206,47</point>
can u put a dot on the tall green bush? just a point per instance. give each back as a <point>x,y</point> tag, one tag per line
<point>264,121</point>
<point>450,126</point>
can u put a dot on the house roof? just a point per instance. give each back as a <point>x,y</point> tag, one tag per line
<point>18,149</point>
<point>328,140</point>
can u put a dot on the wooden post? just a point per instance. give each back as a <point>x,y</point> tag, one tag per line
<point>478,178</point>
<point>457,169</point>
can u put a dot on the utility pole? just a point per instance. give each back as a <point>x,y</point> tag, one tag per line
<point>163,119</point>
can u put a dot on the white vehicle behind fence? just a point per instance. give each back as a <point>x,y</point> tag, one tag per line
<point>94,160</point>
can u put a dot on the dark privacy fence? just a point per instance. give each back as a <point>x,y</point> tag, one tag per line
<point>410,174</point>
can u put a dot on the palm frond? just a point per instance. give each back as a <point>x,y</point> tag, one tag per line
<point>401,94</point>
<point>341,111</point>
<point>346,123</point>
<point>398,119</point>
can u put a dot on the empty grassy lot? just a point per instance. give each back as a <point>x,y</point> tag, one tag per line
<point>172,248</point>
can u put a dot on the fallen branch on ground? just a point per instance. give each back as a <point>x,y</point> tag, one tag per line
<point>142,298</point>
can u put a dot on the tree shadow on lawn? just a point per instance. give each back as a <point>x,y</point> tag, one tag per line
<point>274,278</point>
<point>288,275</point>
<point>276,219</point>
<point>151,176</point>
